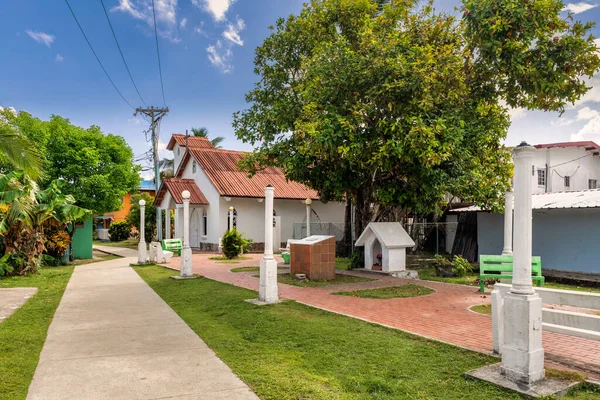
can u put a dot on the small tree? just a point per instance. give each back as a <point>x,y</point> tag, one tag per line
<point>119,231</point>
<point>133,218</point>
<point>234,243</point>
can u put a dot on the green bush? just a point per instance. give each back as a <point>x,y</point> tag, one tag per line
<point>462,267</point>
<point>119,231</point>
<point>234,243</point>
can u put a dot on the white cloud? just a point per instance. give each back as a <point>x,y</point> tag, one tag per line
<point>577,8</point>
<point>218,8</point>
<point>517,113</point>
<point>183,23</point>
<point>232,33</point>
<point>200,29</point>
<point>586,113</point>
<point>593,95</point>
<point>41,37</point>
<point>591,131</point>
<point>219,56</point>
<point>59,58</point>
<point>166,15</point>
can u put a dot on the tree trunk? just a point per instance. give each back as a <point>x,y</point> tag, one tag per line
<point>347,240</point>
<point>362,217</point>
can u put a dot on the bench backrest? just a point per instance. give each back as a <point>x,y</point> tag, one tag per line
<point>172,244</point>
<point>501,264</point>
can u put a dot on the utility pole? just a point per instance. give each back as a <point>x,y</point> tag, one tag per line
<point>155,114</point>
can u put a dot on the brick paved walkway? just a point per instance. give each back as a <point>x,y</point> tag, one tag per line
<point>442,316</point>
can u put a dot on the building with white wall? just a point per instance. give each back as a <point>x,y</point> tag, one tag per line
<point>566,209</point>
<point>216,184</point>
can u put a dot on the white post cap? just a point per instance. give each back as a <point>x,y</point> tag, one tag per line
<point>185,194</point>
<point>142,202</point>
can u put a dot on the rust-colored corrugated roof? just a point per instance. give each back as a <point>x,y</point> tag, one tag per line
<point>193,142</point>
<point>176,186</point>
<point>221,168</point>
<point>589,145</point>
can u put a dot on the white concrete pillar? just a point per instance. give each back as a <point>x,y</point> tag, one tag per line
<point>230,216</point>
<point>522,352</point>
<point>142,250</point>
<point>508,224</point>
<point>185,267</point>
<point>167,223</point>
<point>268,292</point>
<point>308,203</point>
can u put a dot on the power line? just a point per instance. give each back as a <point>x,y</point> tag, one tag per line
<point>95,55</point>
<point>120,51</point>
<point>158,54</point>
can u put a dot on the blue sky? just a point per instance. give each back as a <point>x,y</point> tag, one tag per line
<point>207,50</point>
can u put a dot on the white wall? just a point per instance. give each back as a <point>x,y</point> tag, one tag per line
<point>251,214</point>
<point>178,152</point>
<point>560,163</point>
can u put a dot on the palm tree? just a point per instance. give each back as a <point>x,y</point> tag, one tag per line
<point>167,168</point>
<point>18,152</point>
<point>203,132</point>
<point>25,211</point>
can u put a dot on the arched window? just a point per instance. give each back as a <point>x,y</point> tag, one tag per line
<point>234,219</point>
<point>204,223</point>
<point>194,167</point>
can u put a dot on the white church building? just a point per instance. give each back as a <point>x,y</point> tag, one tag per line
<point>216,185</point>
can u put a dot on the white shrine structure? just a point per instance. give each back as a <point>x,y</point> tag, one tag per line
<point>388,239</point>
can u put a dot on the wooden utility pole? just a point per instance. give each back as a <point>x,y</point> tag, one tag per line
<point>155,114</point>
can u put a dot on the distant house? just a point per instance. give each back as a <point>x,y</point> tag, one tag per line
<point>104,221</point>
<point>566,209</point>
<point>216,184</point>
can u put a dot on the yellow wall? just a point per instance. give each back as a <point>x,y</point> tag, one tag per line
<point>121,215</point>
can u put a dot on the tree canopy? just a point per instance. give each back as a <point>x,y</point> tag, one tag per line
<point>401,105</point>
<point>97,168</point>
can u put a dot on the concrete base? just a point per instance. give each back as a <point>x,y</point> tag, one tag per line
<point>181,278</point>
<point>408,274</point>
<point>522,351</point>
<point>142,253</point>
<point>185,265</point>
<point>545,387</point>
<point>258,302</point>
<point>268,291</point>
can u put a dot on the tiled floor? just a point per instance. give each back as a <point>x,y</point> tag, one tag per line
<point>442,316</point>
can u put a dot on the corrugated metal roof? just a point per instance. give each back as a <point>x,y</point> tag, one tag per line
<point>147,185</point>
<point>193,141</point>
<point>221,167</point>
<point>176,186</point>
<point>576,199</point>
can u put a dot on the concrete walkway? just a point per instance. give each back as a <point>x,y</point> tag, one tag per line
<point>113,338</point>
<point>117,251</point>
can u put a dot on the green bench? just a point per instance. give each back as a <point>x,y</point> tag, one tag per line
<point>173,245</point>
<point>501,267</point>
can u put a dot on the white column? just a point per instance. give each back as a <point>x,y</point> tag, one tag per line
<point>185,266</point>
<point>142,251</point>
<point>177,225</point>
<point>522,352</point>
<point>308,203</point>
<point>268,292</point>
<point>508,224</point>
<point>167,223</point>
<point>230,216</point>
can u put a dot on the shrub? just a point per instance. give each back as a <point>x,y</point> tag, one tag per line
<point>461,266</point>
<point>57,241</point>
<point>234,243</point>
<point>119,231</point>
<point>5,267</point>
<point>133,218</point>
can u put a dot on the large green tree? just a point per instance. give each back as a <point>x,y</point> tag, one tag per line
<point>98,168</point>
<point>399,105</point>
<point>16,151</point>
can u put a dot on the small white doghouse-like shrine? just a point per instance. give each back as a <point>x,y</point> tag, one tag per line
<point>387,240</point>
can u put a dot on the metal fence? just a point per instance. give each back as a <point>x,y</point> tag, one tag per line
<point>428,236</point>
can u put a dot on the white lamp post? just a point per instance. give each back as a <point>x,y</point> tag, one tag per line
<point>230,218</point>
<point>185,267</point>
<point>268,292</point>
<point>308,203</point>
<point>167,223</point>
<point>508,224</point>
<point>142,251</point>
<point>522,352</point>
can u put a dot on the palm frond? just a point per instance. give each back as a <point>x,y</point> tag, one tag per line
<point>19,152</point>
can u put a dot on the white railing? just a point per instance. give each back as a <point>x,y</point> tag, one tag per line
<point>566,322</point>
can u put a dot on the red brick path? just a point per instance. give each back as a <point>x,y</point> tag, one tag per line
<point>442,316</point>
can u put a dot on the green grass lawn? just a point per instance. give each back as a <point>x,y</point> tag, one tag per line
<point>97,256</point>
<point>22,335</point>
<point>290,279</point>
<point>390,292</point>
<point>553,285</point>
<point>291,351</point>
<point>483,309</point>
<point>127,244</point>
<point>342,263</point>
